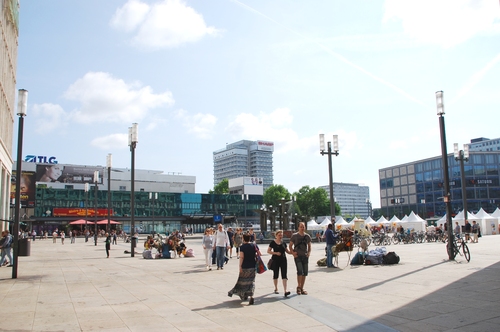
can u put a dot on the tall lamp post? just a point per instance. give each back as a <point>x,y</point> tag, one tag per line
<point>86,209</point>
<point>462,155</point>
<point>96,179</point>
<point>132,142</point>
<point>109,160</point>
<point>330,152</point>
<point>22,104</point>
<point>446,195</point>
<point>153,197</point>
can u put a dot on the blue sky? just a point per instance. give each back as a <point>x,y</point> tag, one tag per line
<point>196,75</point>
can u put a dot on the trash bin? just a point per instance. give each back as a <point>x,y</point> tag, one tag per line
<point>24,247</point>
<point>135,240</point>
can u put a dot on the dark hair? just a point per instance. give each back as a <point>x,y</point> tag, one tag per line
<point>330,226</point>
<point>246,238</point>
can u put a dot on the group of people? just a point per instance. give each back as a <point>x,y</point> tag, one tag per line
<point>471,231</point>
<point>248,253</point>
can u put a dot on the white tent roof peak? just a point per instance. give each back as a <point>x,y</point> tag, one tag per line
<point>496,213</point>
<point>481,214</point>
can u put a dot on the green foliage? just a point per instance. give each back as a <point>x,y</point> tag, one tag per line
<point>274,194</point>
<point>221,188</point>
<point>314,202</point>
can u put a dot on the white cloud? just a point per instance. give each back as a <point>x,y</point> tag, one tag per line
<point>201,125</point>
<point>49,117</point>
<point>128,17</point>
<point>104,98</point>
<point>165,24</point>
<point>114,141</point>
<point>272,126</point>
<point>444,22</point>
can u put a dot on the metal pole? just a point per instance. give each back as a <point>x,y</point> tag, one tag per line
<point>95,207</point>
<point>17,204</point>
<point>462,158</point>
<point>132,198</point>
<point>447,196</point>
<point>108,164</point>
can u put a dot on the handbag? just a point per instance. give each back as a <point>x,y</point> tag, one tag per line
<point>260,267</point>
<point>270,263</point>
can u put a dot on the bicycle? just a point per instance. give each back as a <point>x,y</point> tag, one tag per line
<point>460,247</point>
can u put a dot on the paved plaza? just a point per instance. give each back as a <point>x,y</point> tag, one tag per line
<point>74,287</point>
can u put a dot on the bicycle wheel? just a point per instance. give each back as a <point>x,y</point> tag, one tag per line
<point>395,239</point>
<point>368,240</point>
<point>466,251</point>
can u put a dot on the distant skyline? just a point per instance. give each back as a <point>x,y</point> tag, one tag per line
<point>196,75</point>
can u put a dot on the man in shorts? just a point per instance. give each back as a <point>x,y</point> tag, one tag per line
<point>300,247</point>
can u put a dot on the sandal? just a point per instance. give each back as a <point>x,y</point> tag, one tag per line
<point>299,291</point>
<point>303,292</point>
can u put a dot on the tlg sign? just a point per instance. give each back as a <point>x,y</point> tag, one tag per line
<point>40,159</point>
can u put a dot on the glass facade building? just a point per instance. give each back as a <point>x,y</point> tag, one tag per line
<point>245,159</point>
<point>353,199</point>
<point>418,186</point>
<point>167,212</point>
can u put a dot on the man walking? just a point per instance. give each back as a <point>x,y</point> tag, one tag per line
<point>221,243</point>
<point>6,244</point>
<point>331,241</point>
<point>300,246</point>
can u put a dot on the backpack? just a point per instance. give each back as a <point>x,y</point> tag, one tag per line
<point>322,262</point>
<point>373,260</point>
<point>391,258</point>
<point>358,259</point>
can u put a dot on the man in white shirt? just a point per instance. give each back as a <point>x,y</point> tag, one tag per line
<point>221,243</point>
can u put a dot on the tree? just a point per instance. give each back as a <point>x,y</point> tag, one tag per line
<point>274,194</point>
<point>314,202</point>
<point>221,188</point>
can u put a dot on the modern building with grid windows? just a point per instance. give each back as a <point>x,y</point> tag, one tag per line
<point>245,159</point>
<point>353,199</point>
<point>418,186</point>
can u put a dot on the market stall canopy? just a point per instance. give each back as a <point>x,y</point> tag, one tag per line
<point>461,220</point>
<point>105,221</point>
<point>313,225</point>
<point>382,220</point>
<point>81,222</point>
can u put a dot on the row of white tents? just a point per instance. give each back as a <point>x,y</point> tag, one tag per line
<point>488,222</point>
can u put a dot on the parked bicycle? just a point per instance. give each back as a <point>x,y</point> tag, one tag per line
<point>460,247</point>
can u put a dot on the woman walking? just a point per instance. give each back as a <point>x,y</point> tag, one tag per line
<point>108,244</point>
<point>208,243</point>
<point>245,285</point>
<point>277,248</point>
<point>238,240</point>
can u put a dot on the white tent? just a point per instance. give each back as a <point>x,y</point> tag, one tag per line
<point>496,214</point>
<point>324,224</point>
<point>487,223</point>
<point>312,225</point>
<point>341,223</point>
<point>370,221</point>
<point>461,220</point>
<point>394,220</point>
<point>382,220</point>
<point>441,220</point>
<point>414,222</point>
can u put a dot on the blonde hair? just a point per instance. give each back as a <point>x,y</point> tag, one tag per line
<point>279,231</point>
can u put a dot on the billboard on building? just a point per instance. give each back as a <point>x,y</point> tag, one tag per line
<point>265,146</point>
<point>67,173</point>
<point>27,188</point>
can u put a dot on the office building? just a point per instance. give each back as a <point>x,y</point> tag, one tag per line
<point>418,186</point>
<point>353,199</point>
<point>245,159</point>
<point>484,144</point>
<point>8,58</point>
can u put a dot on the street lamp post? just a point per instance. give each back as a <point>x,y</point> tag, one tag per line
<point>153,197</point>
<point>368,206</point>
<point>22,104</point>
<point>462,155</point>
<point>446,176</point>
<point>96,179</point>
<point>329,152</point>
<point>109,160</point>
<point>86,209</point>
<point>132,142</point>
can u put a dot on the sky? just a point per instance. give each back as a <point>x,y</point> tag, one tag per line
<point>196,75</point>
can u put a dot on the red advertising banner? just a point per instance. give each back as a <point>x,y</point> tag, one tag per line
<point>69,212</point>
